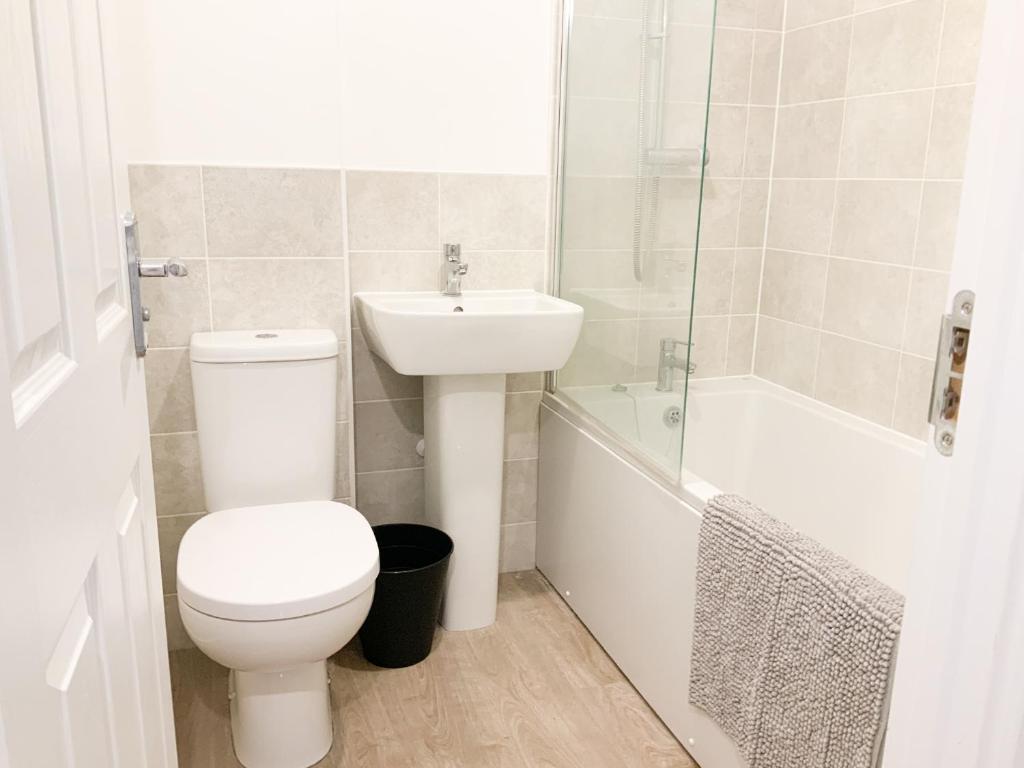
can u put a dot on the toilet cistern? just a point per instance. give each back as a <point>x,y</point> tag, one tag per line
<point>454,269</point>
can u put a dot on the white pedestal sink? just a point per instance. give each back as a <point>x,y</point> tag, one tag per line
<point>464,346</point>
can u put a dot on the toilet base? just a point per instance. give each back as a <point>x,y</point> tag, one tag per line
<point>281,719</point>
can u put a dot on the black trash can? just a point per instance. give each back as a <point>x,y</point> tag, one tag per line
<point>407,602</point>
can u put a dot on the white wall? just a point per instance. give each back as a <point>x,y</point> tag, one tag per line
<point>452,85</point>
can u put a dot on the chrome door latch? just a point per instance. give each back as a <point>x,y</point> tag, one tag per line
<point>138,268</point>
<point>950,364</point>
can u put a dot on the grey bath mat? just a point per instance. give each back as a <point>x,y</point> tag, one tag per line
<point>793,646</point>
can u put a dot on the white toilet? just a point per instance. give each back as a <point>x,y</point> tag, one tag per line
<point>276,577</point>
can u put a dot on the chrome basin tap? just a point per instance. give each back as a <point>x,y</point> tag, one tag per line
<point>668,362</point>
<point>454,269</point>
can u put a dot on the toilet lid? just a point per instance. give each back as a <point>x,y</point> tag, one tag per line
<point>277,561</point>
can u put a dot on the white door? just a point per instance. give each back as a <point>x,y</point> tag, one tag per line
<point>83,663</point>
<point>959,692</point>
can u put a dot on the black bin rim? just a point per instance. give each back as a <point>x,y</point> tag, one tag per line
<point>445,544</point>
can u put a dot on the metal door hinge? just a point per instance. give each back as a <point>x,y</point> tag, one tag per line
<point>950,365</point>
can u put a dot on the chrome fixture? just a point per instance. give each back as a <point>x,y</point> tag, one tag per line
<point>950,367</point>
<point>454,269</point>
<point>138,268</point>
<point>668,362</point>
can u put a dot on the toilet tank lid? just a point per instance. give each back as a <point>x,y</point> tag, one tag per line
<point>262,346</point>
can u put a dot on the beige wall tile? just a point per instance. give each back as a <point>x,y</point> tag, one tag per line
<point>522,420</point>
<point>786,354</point>
<point>808,140</point>
<point>603,355</point>
<point>895,48</point>
<point>600,137</point>
<point>178,308</point>
<point>504,270</point>
<point>713,289</point>
<point>177,474</point>
<point>598,213</point>
<point>686,64</point>
<point>373,379</point>
<point>764,82</point>
<point>730,74</point>
<point>177,637</point>
<point>386,435</point>
<point>719,213</point>
<point>801,215</point>
<point>710,347</point>
<point>395,271</point>
<point>793,287</point>
<point>169,533</point>
<point>961,41</point>
<point>757,157</point>
<point>927,305</point>
<point>392,211</point>
<point>735,13</point>
<point>801,12</point>
<point>272,212</point>
<point>876,220</point>
<point>278,293</point>
<point>746,287</point>
<point>936,238</point>
<point>885,136</point>
<point>682,197</point>
<point>753,211</point>
<point>167,201</point>
<point>596,269</point>
<point>169,391</point>
<point>866,301</point>
<point>525,382</point>
<point>739,359</point>
<point>342,473</point>
<point>606,57</point>
<point>768,14</point>
<point>858,378</point>
<point>727,126</point>
<point>814,63</point>
<point>484,212</point>
<point>912,394</point>
<point>518,547</point>
<point>519,492</point>
<point>391,497</point>
<point>951,124</point>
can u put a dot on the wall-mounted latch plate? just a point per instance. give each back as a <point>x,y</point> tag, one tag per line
<point>950,365</point>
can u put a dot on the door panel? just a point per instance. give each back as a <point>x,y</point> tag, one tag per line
<point>83,662</point>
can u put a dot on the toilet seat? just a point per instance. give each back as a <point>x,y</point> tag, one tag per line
<point>278,561</point>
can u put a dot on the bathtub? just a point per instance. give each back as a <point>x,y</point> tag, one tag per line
<point>617,522</point>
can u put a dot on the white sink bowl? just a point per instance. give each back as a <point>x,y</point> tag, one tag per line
<point>480,332</point>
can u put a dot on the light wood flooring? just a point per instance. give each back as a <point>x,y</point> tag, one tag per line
<point>535,689</point>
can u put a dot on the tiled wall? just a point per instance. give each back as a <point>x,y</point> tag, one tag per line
<point>269,248</point>
<point>874,111</point>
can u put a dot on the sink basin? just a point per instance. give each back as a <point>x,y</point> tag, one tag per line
<point>463,346</point>
<point>479,332</point>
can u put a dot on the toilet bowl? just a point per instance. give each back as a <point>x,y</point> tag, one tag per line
<point>270,592</point>
<point>276,577</point>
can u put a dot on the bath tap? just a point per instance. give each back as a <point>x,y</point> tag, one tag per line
<point>668,362</point>
<point>454,269</point>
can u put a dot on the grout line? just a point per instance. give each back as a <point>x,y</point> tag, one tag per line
<point>206,246</point>
<point>349,387</point>
<point>920,208</point>
<point>825,331</point>
<point>771,182</point>
<point>385,471</point>
<point>835,204</point>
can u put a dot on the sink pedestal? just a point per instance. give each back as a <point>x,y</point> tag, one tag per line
<point>464,434</point>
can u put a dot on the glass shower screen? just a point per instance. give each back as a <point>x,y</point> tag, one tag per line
<point>632,165</point>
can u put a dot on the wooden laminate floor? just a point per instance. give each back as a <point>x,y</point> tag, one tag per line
<point>535,689</point>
